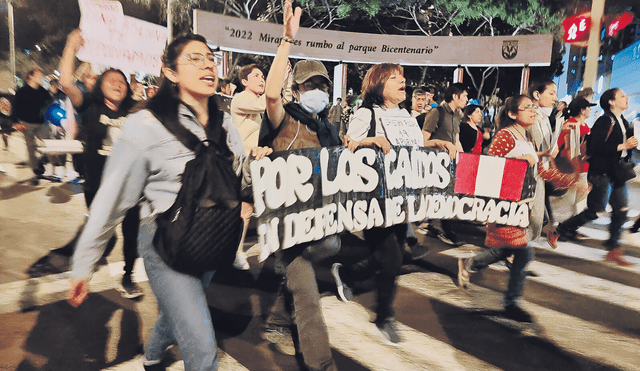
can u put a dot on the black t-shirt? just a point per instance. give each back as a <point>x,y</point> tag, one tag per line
<point>29,104</point>
<point>101,125</point>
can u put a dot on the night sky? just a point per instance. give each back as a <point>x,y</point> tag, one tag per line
<point>49,21</point>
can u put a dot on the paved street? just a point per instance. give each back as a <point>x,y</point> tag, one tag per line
<point>587,311</point>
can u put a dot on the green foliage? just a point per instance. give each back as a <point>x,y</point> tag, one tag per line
<point>518,14</point>
<point>343,10</point>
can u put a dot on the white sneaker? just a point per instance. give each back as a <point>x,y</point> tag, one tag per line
<point>48,170</point>
<point>241,262</point>
<point>60,172</point>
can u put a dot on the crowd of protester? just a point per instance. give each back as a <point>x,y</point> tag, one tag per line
<point>131,165</point>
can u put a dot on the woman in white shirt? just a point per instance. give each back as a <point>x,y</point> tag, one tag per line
<point>383,89</point>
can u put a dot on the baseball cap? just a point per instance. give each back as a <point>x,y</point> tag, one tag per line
<point>577,105</point>
<point>306,69</point>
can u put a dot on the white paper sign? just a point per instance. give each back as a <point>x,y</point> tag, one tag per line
<point>112,39</point>
<point>99,17</point>
<point>403,131</point>
<point>636,130</point>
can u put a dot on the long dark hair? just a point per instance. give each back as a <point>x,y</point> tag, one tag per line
<point>539,86</point>
<point>607,96</point>
<point>512,104</point>
<point>165,104</point>
<point>127,103</point>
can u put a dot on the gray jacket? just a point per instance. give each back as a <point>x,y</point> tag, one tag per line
<point>145,167</point>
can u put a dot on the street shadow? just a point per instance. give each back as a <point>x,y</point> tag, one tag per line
<point>17,189</point>
<point>485,334</point>
<point>97,334</point>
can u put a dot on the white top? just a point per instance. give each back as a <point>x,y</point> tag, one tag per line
<point>395,124</point>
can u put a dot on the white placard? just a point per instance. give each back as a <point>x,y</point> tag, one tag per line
<point>115,40</point>
<point>636,130</point>
<point>402,131</point>
<point>99,17</point>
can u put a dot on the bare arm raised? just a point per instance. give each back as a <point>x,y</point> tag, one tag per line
<point>67,63</point>
<point>275,110</point>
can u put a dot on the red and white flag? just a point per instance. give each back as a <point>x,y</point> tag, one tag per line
<point>489,176</point>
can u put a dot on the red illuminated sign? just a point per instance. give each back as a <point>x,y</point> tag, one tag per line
<point>576,28</point>
<point>619,23</point>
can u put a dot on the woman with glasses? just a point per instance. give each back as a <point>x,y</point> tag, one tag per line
<point>103,112</point>
<point>145,167</point>
<point>512,141</point>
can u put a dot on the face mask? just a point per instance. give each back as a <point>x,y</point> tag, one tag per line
<point>314,101</point>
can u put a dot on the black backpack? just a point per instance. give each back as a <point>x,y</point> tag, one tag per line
<point>201,230</point>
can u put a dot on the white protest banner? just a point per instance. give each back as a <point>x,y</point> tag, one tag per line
<point>304,195</point>
<point>129,44</point>
<point>99,17</point>
<point>247,36</point>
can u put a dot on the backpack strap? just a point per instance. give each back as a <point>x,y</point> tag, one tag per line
<point>184,135</point>
<point>372,124</point>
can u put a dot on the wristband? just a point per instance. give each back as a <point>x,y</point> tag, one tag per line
<point>286,40</point>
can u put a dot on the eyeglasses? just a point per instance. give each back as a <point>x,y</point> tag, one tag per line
<point>198,59</point>
<point>528,108</point>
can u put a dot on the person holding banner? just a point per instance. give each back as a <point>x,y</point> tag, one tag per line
<point>381,122</point>
<point>300,124</point>
<point>103,110</point>
<point>444,123</point>
<point>503,241</point>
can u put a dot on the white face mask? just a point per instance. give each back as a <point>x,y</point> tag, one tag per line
<point>314,101</point>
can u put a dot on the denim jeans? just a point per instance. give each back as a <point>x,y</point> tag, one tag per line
<point>602,192</point>
<point>184,313</point>
<point>517,275</point>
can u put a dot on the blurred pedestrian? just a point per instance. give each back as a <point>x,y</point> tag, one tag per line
<point>28,108</point>
<point>104,110</point>
<point>572,152</point>
<point>6,121</point>
<point>611,142</point>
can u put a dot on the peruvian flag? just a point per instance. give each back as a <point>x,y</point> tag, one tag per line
<point>489,176</point>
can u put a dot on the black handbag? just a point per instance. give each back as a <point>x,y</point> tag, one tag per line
<point>623,171</point>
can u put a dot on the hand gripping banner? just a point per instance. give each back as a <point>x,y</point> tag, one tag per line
<point>304,195</point>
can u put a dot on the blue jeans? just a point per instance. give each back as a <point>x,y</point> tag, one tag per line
<point>602,192</point>
<point>517,275</point>
<point>184,313</point>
